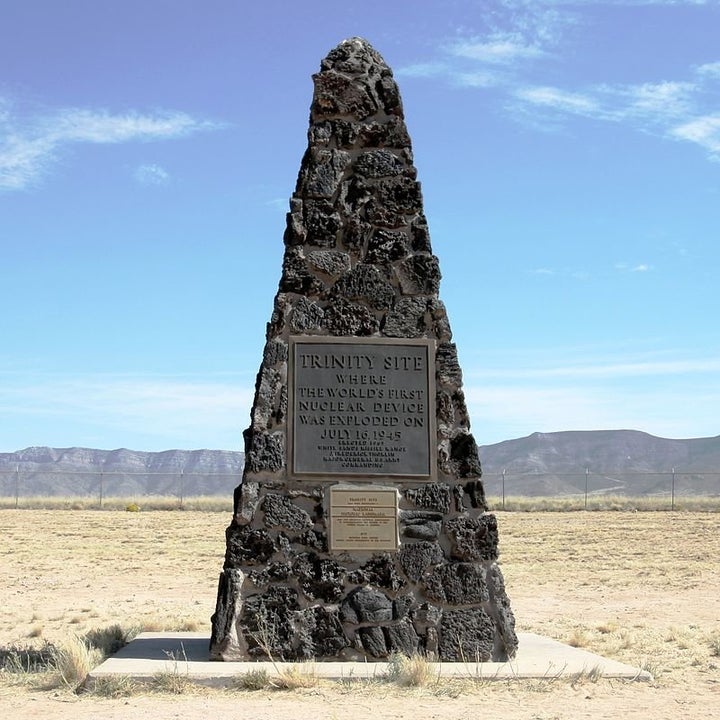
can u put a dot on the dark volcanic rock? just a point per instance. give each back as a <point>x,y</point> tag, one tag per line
<point>466,636</point>
<point>319,578</point>
<point>366,605</point>
<point>415,558</point>
<point>473,538</point>
<point>246,546</point>
<point>281,511</point>
<point>457,584</point>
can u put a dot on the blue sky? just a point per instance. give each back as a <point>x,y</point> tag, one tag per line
<point>569,154</point>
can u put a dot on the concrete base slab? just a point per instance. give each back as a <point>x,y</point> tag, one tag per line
<point>150,654</point>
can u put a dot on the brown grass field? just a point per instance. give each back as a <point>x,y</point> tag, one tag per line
<point>639,587</point>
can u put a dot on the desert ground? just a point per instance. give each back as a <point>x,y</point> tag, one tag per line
<point>642,588</point>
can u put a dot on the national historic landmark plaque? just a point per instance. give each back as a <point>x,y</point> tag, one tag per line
<point>362,407</point>
<point>363,518</point>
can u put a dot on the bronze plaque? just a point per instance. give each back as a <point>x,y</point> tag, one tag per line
<point>363,519</point>
<point>362,407</point>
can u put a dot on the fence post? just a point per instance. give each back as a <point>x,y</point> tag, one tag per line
<point>672,491</point>
<point>182,486</point>
<point>101,489</point>
<point>503,489</point>
<point>17,484</point>
<point>587,474</point>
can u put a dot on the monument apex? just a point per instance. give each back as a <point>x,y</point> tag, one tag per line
<point>360,527</point>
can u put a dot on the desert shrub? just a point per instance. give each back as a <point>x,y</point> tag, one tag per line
<point>25,660</point>
<point>110,639</point>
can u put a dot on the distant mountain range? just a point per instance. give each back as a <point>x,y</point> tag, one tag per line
<point>622,462</point>
<point>560,463</point>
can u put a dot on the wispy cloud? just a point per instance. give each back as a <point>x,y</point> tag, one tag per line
<point>501,412</point>
<point>516,34</point>
<point>640,268</point>
<point>710,70</point>
<point>279,204</point>
<point>499,48</point>
<point>605,369</point>
<point>521,36</point>
<point>31,143</point>
<point>673,109</point>
<point>574,273</point>
<point>592,393</point>
<point>560,100</point>
<point>151,175</point>
<point>424,70</point>
<point>705,131</point>
<point>152,411</point>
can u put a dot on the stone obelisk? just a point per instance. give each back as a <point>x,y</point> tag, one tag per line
<point>360,527</point>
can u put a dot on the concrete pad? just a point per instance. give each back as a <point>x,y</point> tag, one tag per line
<point>150,654</point>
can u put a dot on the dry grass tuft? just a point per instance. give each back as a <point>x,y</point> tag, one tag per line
<point>201,503</point>
<point>110,639</point>
<point>604,503</point>
<point>293,677</point>
<point>252,680</point>
<point>607,628</point>
<point>592,675</point>
<point>413,671</point>
<point>73,660</point>
<point>715,646</point>
<point>175,681</point>
<point>20,662</point>
<point>171,682</point>
<point>114,686</point>
<point>579,638</point>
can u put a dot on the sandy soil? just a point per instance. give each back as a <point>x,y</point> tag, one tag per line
<point>642,588</point>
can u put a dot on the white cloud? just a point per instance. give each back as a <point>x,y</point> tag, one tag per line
<point>660,100</point>
<point>519,37</point>
<point>92,126</point>
<point>560,100</point>
<point>151,175</point>
<point>641,268</point>
<point>574,389</point>
<point>164,410</point>
<point>567,272</point>
<point>423,70</point>
<point>704,131</point>
<point>668,109</point>
<point>709,70</point>
<point>30,145</point>
<point>605,369</point>
<point>501,412</point>
<point>477,79</point>
<point>497,49</point>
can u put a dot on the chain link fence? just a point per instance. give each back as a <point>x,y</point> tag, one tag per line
<point>505,490</point>
<point>587,490</point>
<point>19,487</point>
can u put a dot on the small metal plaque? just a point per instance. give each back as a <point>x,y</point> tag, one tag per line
<point>363,519</point>
<point>362,407</point>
